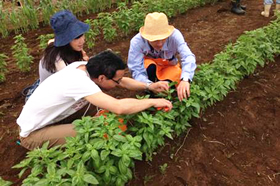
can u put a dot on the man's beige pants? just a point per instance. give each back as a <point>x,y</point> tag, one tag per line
<point>55,133</point>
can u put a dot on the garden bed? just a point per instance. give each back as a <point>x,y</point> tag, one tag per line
<point>232,143</point>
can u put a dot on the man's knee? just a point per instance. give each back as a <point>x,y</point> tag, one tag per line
<point>55,135</point>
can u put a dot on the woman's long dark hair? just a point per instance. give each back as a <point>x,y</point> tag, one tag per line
<point>66,53</point>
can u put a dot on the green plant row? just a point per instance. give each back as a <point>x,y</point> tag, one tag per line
<point>103,152</point>
<point>27,17</point>
<point>126,20</point>
<point>121,22</point>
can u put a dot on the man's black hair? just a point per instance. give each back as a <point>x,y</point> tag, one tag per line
<point>105,63</point>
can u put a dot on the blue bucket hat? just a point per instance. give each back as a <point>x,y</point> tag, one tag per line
<point>66,27</point>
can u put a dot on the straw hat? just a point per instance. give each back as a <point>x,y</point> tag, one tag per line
<point>156,27</point>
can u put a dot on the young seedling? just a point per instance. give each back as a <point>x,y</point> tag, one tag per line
<point>3,67</point>
<point>47,9</point>
<point>44,39</point>
<point>20,53</point>
<point>92,33</point>
<point>3,26</point>
<point>162,168</point>
<point>147,178</point>
<point>106,21</point>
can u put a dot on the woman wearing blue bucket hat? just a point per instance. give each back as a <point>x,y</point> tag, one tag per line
<point>67,47</point>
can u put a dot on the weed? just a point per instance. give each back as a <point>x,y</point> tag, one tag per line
<point>3,67</point>
<point>162,168</point>
<point>147,178</point>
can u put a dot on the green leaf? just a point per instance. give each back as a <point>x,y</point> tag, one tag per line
<point>120,138</point>
<point>70,172</point>
<point>98,143</point>
<point>51,169</point>
<point>126,160</point>
<point>120,182</point>
<point>117,153</point>
<point>138,138</point>
<point>122,167</point>
<point>42,182</point>
<point>5,183</point>
<point>104,154</point>
<point>70,163</point>
<point>22,172</point>
<point>94,153</point>
<point>136,154</point>
<point>45,146</point>
<point>113,170</point>
<point>75,180</point>
<point>107,176</point>
<point>129,174</point>
<point>101,169</point>
<point>62,171</point>
<point>169,135</point>
<point>146,138</point>
<point>23,163</point>
<point>129,137</point>
<point>86,156</point>
<point>90,179</point>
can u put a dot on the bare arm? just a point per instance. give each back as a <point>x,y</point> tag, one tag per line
<point>132,84</point>
<point>127,105</point>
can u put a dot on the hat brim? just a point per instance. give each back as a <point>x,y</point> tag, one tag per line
<point>73,31</point>
<point>149,37</point>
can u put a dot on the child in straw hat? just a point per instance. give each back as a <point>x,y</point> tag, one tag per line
<point>152,55</point>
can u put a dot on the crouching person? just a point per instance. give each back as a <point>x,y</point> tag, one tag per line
<point>153,55</point>
<point>67,91</point>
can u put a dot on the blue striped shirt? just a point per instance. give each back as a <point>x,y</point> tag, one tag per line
<point>175,44</point>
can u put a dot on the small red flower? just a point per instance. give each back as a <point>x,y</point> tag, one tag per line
<point>123,127</point>
<point>105,136</point>
<point>120,120</point>
<point>102,113</point>
<point>165,109</point>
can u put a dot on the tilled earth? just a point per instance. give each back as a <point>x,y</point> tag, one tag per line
<point>235,142</point>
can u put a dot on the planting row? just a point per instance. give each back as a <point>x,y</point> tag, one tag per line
<point>126,20</point>
<point>28,16</point>
<point>104,150</point>
<point>118,23</point>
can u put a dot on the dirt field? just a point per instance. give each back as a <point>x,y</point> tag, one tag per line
<point>235,142</point>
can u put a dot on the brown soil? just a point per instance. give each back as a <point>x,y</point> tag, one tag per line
<point>235,142</point>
